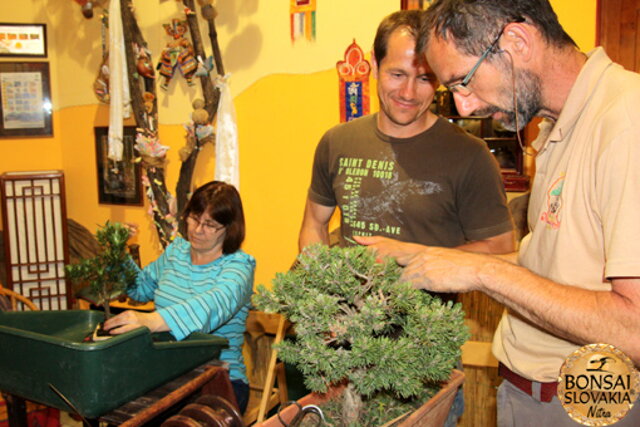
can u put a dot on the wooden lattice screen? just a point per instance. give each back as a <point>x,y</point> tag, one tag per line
<point>34,222</point>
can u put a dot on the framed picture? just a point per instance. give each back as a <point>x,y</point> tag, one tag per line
<point>25,99</point>
<point>23,40</point>
<point>119,183</point>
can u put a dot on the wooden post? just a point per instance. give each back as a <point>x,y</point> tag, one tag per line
<point>148,123</point>
<point>211,99</point>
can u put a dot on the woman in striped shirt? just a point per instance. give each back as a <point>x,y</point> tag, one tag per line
<point>202,284</point>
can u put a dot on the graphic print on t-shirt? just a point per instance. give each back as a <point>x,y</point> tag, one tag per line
<point>373,197</point>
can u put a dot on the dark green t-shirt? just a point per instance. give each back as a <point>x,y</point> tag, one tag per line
<point>441,187</point>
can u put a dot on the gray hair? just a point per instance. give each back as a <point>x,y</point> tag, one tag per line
<point>473,24</point>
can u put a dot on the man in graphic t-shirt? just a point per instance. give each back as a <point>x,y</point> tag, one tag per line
<point>405,172</point>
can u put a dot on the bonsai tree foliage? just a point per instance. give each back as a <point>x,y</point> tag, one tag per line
<point>110,272</point>
<point>355,320</point>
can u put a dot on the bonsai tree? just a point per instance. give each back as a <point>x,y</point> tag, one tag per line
<point>354,320</point>
<point>110,272</point>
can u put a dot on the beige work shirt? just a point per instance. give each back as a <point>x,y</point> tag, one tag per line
<point>584,210</point>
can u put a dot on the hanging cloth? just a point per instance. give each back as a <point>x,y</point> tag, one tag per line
<point>120,105</point>
<point>227,162</point>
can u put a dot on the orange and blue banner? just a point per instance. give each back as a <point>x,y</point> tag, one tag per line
<point>353,73</point>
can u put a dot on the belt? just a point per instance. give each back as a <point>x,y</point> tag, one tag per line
<point>540,391</point>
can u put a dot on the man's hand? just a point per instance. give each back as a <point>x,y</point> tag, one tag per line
<point>131,319</point>
<point>433,268</point>
<point>445,270</point>
<point>384,247</point>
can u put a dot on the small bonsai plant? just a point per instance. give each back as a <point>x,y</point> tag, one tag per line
<point>110,272</point>
<point>355,320</point>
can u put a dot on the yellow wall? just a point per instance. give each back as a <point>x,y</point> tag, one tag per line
<point>285,97</point>
<point>578,20</point>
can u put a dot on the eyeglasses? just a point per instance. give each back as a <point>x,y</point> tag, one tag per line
<point>207,225</point>
<point>462,87</point>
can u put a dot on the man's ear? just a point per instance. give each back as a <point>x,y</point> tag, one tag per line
<point>518,38</point>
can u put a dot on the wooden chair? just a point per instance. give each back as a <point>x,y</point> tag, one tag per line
<point>15,300</point>
<point>264,330</point>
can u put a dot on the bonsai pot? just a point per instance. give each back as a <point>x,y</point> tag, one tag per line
<point>41,349</point>
<point>432,413</point>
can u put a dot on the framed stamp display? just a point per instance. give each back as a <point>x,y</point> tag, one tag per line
<point>25,99</point>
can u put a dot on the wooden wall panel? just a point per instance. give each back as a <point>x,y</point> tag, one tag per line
<point>618,22</point>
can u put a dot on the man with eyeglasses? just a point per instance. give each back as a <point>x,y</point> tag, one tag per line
<point>576,279</point>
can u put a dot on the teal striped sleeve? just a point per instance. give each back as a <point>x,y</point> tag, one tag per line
<point>227,288</point>
<point>147,279</point>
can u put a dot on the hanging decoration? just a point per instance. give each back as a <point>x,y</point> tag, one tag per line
<point>415,4</point>
<point>101,83</point>
<point>199,130</point>
<point>144,66</point>
<point>207,10</point>
<point>303,19</point>
<point>206,74</point>
<point>353,73</point>
<point>177,54</point>
<point>150,149</point>
<point>204,67</point>
<point>119,98</point>
<point>88,6</point>
<point>152,154</point>
<point>162,205</point>
<point>180,53</point>
<point>227,159</point>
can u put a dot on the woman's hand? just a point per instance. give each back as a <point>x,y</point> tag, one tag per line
<point>131,319</point>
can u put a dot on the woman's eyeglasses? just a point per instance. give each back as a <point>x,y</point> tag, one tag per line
<point>207,225</point>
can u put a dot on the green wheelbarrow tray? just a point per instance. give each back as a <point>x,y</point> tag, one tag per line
<point>43,348</point>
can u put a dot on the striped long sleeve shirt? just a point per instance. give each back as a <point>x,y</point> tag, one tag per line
<point>212,298</point>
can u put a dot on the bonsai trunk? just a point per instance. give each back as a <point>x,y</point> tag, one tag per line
<point>107,310</point>
<point>351,406</point>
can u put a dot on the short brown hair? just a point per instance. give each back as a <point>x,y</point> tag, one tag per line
<point>410,19</point>
<point>222,202</point>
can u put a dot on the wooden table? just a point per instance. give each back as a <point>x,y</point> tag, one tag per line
<point>211,378</point>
